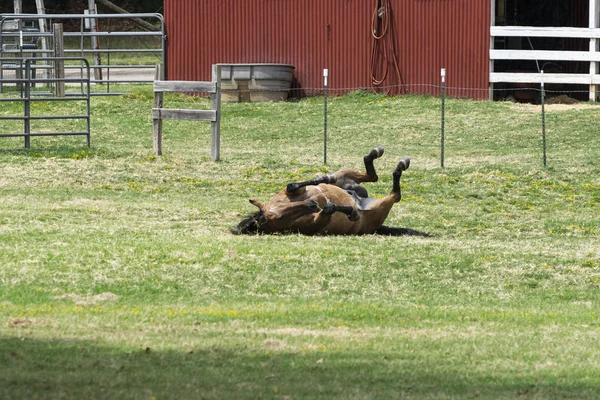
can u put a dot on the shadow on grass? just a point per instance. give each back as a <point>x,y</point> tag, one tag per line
<point>65,152</point>
<point>52,369</point>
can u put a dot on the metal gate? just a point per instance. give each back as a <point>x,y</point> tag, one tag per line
<point>96,37</point>
<point>27,92</point>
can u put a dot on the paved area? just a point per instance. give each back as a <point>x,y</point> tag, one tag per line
<point>117,74</point>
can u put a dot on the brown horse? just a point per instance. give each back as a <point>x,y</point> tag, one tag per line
<point>335,204</point>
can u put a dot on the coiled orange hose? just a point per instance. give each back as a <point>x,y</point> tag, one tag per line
<point>383,48</point>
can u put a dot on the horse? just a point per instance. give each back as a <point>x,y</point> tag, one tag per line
<point>334,204</point>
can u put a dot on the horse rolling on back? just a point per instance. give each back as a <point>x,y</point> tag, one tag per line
<point>335,204</point>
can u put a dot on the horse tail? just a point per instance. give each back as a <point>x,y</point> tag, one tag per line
<point>389,231</point>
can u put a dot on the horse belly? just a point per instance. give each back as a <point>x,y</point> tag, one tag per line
<point>372,220</point>
<point>341,225</point>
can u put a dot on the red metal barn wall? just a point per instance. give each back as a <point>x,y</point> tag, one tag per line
<point>335,34</point>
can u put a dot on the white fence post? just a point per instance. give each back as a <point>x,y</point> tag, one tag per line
<point>443,139</point>
<point>215,126</point>
<point>157,122</point>
<point>593,23</point>
<point>325,76</point>
<point>543,98</point>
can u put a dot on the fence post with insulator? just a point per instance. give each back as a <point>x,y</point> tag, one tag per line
<point>325,76</point>
<point>443,74</point>
<point>543,100</point>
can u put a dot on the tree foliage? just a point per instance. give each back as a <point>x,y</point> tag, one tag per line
<point>77,6</point>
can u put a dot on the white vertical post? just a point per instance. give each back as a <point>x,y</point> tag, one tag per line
<point>443,138</point>
<point>325,76</point>
<point>543,99</point>
<point>215,126</point>
<point>593,23</point>
<point>18,5</point>
<point>492,23</point>
<point>157,122</point>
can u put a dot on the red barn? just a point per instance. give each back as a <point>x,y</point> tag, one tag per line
<point>480,43</point>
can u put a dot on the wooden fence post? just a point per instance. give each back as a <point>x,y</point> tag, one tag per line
<point>215,126</point>
<point>41,10</point>
<point>95,46</point>
<point>59,65</point>
<point>157,122</point>
<point>159,113</point>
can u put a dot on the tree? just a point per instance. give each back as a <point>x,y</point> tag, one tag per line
<point>77,6</point>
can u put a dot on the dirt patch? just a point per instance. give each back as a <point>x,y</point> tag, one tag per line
<point>275,345</point>
<point>333,332</point>
<point>370,333</point>
<point>537,108</point>
<point>88,300</point>
<point>21,323</point>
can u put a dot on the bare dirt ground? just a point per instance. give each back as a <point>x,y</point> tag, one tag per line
<point>536,108</point>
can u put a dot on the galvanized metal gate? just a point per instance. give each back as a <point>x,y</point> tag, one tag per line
<point>27,94</point>
<point>20,38</point>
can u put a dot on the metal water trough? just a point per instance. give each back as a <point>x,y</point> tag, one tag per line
<point>256,82</point>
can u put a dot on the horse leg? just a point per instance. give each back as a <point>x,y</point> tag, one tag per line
<point>378,209</point>
<point>402,166</point>
<point>297,209</point>
<point>350,212</point>
<point>375,153</point>
<point>346,178</point>
<point>294,186</point>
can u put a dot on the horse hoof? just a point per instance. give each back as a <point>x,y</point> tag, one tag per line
<point>312,205</point>
<point>404,164</point>
<point>291,187</point>
<point>329,209</point>
<point>375,153</point>
<point>353,216</point>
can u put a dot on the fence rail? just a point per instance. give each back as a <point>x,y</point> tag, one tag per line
<point>27,96</point>
<point>105,70</point>
<point>592,56</point>
<point>160,113</point>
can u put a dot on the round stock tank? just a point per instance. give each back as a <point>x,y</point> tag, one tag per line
<point>255,82</point>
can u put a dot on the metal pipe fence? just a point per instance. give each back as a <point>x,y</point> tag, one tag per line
<point>110,64</point>
<point>27,95</point>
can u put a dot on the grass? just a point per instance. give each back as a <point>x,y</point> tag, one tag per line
<point>120,278</point>
<point>125,43</point>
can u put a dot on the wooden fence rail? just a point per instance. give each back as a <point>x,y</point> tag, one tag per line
<point>592,55</point>
<point>214,116</point>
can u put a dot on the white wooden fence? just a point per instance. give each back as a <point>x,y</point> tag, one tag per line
<point>214,115</point>
<point>592,56</point>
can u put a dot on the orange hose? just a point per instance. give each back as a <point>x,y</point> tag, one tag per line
<point>383,45</point>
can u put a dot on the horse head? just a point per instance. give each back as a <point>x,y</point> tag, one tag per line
<point>277,216</point>
<point>253,222</point>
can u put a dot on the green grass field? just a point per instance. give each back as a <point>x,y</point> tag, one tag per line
<point>119,278</point>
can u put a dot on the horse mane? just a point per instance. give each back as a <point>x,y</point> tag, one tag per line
<point>249,224</point>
